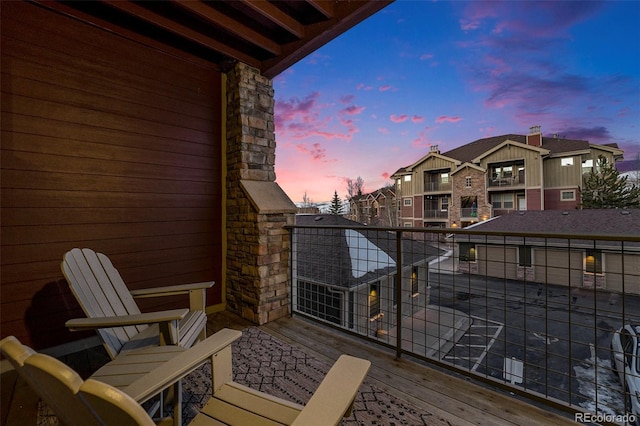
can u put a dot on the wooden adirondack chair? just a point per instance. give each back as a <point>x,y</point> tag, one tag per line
<point>95,402</point>
<point>112,311</point>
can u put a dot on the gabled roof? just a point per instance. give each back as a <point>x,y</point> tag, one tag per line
<point>468,165</point>
<point>588,222</point>
<point>509,142</point>
<point>477,149</point>
<point>268,35</point>
<point>348,258</point>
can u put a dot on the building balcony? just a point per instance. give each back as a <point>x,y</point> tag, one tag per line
<point>437,187</point>
<point>506,181</point>
<point>436,214</point>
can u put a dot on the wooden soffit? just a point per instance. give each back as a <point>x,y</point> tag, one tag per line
<point>268,35</point>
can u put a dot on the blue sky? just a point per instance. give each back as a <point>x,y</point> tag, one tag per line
<point>424,73</point>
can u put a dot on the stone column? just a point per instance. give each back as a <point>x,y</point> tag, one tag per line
<point>258,274</point>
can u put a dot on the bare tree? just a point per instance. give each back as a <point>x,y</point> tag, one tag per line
<point>354,187</point>
<point>306,201</point>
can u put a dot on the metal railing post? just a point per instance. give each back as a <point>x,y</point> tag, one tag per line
<point>398,290</point>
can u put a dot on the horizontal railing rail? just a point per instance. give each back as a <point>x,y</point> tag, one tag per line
<point>535,313</point>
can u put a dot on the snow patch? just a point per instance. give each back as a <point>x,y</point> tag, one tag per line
<point>598,383</point>
<point>365,256</point>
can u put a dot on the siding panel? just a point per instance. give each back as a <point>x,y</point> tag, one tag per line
<point>105,144</point>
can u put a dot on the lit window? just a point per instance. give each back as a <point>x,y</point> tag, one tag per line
<point>444,177</point>
<point>593,262</point>
<point>467,252</point>
<point>568,195</point>
<point>587,163</point>
<point>567,161</point>
<point>374,302</point>
<point>407,178</point>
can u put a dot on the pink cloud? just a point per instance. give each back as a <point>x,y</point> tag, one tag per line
<point>399,118</point>
<point>352,110</point>
<point>383,130</point>
<point>445,118</point>
<point>385,175</point>
<point>363,86</point>
<point>417,119</point>
<point>347,99</point>
<point>384,88</point>
<point>316,151</point>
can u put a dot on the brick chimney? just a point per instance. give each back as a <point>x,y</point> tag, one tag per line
<point>534,138</point>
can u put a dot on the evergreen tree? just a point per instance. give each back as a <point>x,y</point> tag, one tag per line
<point>336,204</point>
<point>606,189</point>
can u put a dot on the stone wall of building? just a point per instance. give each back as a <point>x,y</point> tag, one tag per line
<point>258,246</point>
<point>460,189</point>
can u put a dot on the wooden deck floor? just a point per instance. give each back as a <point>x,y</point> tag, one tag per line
<point>451,400</point>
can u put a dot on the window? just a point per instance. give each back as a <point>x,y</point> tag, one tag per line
<point>467,182</point>
<point>374,302</point>
<point>467,252</point>
<point>567,161</point>
<point>587,163</point>
<point>593,262</point>
<point>525,256</point>
<point>407,178</point>
<point>568,195</point>
<point>444,204</point>
<point>407,201</point>
<point>502,201</point>
<point>414,282</point>
<point>444,177</point>
<point>407,224</point>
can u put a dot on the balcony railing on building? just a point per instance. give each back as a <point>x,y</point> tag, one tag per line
<point>437,186</point>
<point>532,313</point>
<point>436,214</point>
<point>498,180</point>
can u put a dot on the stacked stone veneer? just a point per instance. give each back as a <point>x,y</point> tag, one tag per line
<point>258,247</point>
<point>478,189</point>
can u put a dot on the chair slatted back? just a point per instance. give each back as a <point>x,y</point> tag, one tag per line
<point>101,292</point>
<point>54,382</point>
<point>112,406</point>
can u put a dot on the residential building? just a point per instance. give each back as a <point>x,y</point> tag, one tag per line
<point>606,264</point>
<point>494,176</point>
<point>349,276</point>
<point>375,208</point>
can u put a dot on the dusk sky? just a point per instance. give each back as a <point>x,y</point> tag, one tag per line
<point>424,73</point>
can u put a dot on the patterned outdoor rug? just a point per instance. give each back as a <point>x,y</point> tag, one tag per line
<point>267,364</point>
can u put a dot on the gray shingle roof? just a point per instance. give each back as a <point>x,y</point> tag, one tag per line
<point>581,222</point>
<point>323,254</point>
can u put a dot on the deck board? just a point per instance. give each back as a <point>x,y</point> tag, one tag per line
<point>452,400</point>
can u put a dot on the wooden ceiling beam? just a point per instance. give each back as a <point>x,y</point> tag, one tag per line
<point>347,14</point>
<point>323,6</point>
<point>67,10</point>
<point>231,25</point>
<point>276,16</point>
<point>181,30</point>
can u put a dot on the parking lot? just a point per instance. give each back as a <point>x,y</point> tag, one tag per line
<point>561,336</point>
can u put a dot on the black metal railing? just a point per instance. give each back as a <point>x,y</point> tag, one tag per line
<point>534,313</point>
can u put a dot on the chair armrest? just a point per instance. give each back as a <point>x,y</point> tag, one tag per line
<point>171,290</point>
<point>124,320</point>
<point>335,395</point>
<point>178,367</point>
<point>197,293</point>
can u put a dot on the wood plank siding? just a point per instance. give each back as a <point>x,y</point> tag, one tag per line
<point>107,144</point>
